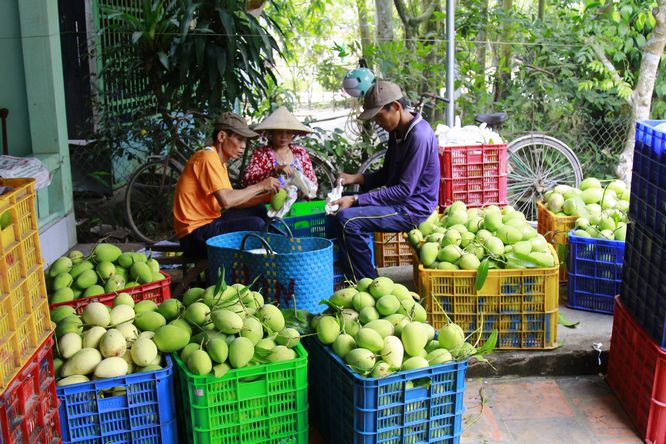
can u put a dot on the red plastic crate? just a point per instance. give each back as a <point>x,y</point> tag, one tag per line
<point>155,291</point>
<point>637,375</point>
<point>29,406</point>
<point>475,175</point>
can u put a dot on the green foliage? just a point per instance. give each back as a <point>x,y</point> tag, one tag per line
<point>343,155</point>
<point>197,54</point>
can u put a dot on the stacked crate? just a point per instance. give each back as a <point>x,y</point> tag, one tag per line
<point>475,175</point>
<point>28,408</point>
<point>637,360</point>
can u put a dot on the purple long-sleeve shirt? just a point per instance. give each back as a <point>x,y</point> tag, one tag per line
<point>410,174</point>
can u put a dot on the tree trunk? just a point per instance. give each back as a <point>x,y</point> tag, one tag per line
<point>481,48</point>
<point>641,97</point>
<point>541,9</point>
<point>363,27</point>
<point>433,29</point>
<point>384,21</point>
<point>504,65</point>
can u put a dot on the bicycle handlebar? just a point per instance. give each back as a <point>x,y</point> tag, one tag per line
<point>433,96</point>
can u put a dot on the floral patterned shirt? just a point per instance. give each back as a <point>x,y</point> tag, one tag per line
<point>263,162</point>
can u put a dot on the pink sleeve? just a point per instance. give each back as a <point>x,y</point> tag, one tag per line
<point>306,163</point>
<point>259,167</point>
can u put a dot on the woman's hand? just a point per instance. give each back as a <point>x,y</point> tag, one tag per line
<point>269,184</point>
<point>287,170</point>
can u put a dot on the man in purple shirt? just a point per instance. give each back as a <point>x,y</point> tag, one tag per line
<point>402,194</point>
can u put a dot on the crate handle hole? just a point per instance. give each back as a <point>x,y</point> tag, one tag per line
<point>417,388</point>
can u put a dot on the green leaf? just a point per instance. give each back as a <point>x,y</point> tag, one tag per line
<point>481,274</point>
<point>565,322</point>
<point>490,344</point>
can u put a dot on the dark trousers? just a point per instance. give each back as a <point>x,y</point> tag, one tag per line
<point>355,223</point>
<point>233,219</point>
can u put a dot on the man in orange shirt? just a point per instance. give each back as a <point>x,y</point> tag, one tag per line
<point>204,190</point>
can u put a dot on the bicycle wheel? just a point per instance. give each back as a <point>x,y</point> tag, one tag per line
<point>324,173</point>
<point>536,164</point>
<point>236,170</point>
<point>372,163</point>
<point>149,200</point>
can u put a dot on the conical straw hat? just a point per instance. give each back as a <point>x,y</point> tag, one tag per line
<point>282,119</point>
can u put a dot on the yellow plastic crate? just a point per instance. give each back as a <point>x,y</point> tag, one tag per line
<point>392,250</point>
<point>556,231</point>
<point>20,202</point>
<point>522,304</point>
<point>24,324</point>
<point>20,261</point>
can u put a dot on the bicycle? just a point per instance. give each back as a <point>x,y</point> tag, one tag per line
<point>150,189</point>
<point>536,162</point>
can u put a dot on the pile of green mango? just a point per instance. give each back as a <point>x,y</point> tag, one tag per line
<point>601,210</point>
<point>106,270</point>
<point>231,327</point>
<point>464,238</point>
<point>378,327</point>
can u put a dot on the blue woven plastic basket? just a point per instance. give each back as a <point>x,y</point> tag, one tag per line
<point>145,412</point>
<point>299,269</point>
<point>595,273</point>
<point>320,225</point>
<point>347,407</point>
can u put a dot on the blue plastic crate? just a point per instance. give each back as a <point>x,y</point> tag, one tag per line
<point>415,406</point>
<point>644,281</point>
<point>650,141</point>
<point>647,206</point>
<point>595,273</point>
<point>145,412</point>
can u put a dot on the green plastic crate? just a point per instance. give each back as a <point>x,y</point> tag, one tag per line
<point>265,403</point>
<point>305,208</point>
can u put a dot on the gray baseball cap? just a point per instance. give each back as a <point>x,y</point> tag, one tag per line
<point>381,93</point>
<point>233,122</point>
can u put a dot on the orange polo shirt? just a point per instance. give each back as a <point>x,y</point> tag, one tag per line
<point>194,204</point>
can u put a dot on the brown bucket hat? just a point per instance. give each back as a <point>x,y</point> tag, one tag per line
<point>235,123</point>
<point>282,119</point>
<point>381,93</point>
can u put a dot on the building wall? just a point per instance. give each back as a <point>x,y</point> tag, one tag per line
<point>12,78</point>
<point>32,89</point>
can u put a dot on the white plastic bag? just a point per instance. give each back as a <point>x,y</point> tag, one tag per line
<point>12,167</point>
<point>335,194</point>
<point>303,184</point>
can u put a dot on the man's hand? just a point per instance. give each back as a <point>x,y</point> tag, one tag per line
<point>269,184</point>
<point>350,179</point>
<point>344,202</point>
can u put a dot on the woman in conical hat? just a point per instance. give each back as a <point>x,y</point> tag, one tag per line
<point>281,157</point>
